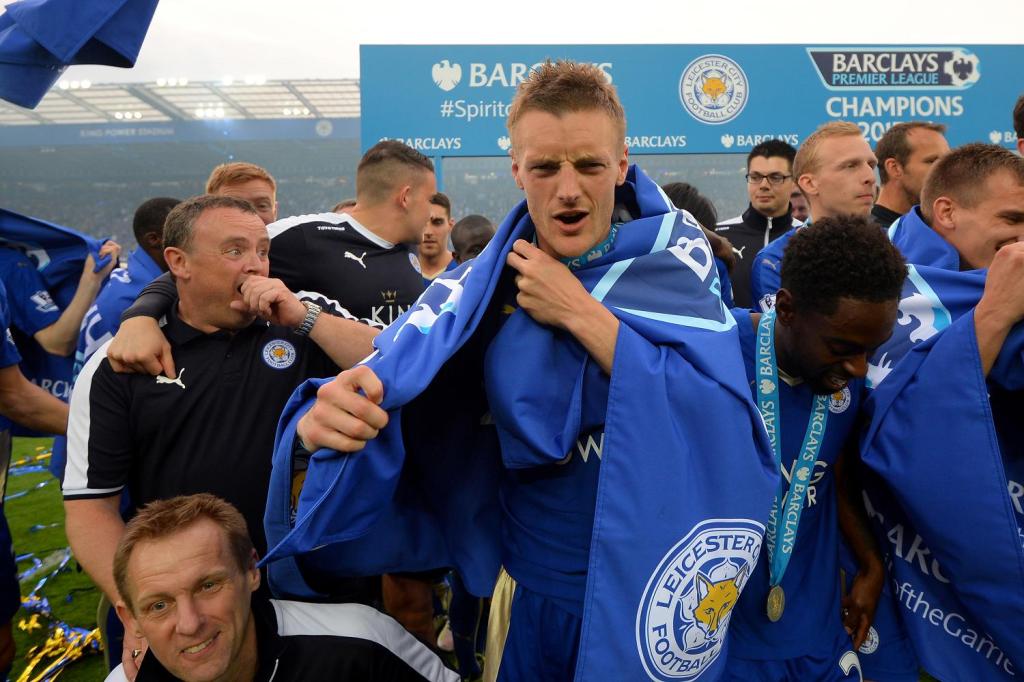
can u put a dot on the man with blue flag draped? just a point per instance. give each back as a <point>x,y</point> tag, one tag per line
<point>52,274</point>
<point>806,361</point>
<point>946,438</point>
<point>592,400</point>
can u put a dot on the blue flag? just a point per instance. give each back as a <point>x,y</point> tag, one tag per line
<point>946,447</point>
<point>58,254</point>
<point>686,476</point>
<point>41,38</point>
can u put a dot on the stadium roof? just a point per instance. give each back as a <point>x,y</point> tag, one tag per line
<point>76,102</point>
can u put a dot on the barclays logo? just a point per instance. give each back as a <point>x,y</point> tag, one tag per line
<point>446,75</point>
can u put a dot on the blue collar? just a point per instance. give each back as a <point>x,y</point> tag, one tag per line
<point>920,244</point>
<point>141,267</point>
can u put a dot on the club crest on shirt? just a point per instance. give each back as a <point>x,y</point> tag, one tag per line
<point>871,642</point>
<point>278,354</point>
<point>839,401</point>
<point>688,602</point>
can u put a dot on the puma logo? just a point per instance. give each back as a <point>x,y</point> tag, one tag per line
<point>358,259</point>
<point>739,251</point>
<point>177,382</point>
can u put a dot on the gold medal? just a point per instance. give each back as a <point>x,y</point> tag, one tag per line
<point>776,603</point>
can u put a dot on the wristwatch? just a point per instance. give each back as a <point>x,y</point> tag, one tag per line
<point>312,312</point>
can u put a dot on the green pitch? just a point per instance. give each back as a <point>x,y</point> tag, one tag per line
<point>37,526</point>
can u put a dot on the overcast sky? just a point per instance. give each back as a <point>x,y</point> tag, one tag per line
<point>208,39</point>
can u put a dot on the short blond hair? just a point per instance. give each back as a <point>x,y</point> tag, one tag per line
<point>564,87</point>
<point>162,518</point>
<point>237,173</point>
<point>807,159</point>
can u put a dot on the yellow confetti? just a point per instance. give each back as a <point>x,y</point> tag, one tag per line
<point>30,624</point>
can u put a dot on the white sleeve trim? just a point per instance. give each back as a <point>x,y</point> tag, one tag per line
<point>76,471</point>
<point>362,622</point>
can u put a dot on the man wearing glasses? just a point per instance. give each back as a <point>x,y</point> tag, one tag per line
<point>769,185</point>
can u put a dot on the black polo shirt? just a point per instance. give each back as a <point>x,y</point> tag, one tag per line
<point>211,430</point>
<point>311,642</point>
<point>331,254</point>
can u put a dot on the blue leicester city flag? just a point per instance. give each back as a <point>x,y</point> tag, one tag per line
<point>41,38</point>
<point>58,253</point>
<point>686,476</point>
<point>947,447</point>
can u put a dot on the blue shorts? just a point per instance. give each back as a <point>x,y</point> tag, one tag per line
<point>842,665</point>
<point>542,643</point>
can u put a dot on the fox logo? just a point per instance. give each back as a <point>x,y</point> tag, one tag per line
<point>714,87</point>
<point>718,601</point>
<point>683,619</point>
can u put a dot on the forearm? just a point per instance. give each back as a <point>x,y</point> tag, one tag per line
<point>597,330</point>
<point>61,337</point>
<point>346,342</point>
<point>94,528</point>
<point>991,329</point>
<point>29,405</point>
<point>853,519</point>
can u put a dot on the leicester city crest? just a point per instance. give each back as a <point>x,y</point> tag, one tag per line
<point>713,89</point>
<point>839,401</point>
<point>684,615</point>
<point>278,354</point>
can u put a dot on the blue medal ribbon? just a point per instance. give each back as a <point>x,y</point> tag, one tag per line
<point>594,253</point>
<point>786,505</point>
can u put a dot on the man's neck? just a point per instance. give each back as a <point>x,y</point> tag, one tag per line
<point>247,663</point>
<point>778,214</point>
<point>432,266</point>
<point>191,314</point>
<point>381,221</point>
<point>894,198</point>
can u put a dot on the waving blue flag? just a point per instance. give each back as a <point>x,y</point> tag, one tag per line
<point>947,447</point>
<point>41,38</point>
<point>686,476</point>
<point>58,254</point>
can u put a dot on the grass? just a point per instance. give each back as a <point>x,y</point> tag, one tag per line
<point>37,526</point>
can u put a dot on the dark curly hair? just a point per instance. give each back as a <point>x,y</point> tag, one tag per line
<point>841,257</point>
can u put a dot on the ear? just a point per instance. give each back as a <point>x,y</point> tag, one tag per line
<point>153,240</point>
<point>404,196</point>
<point>127,618</point>
<point>623,165</point>
<point>943,215</point>
<point>1020,146</point>
<point>177,262</point>
<point>703,582</point>
<point>807,184</point>
<point>784,307</point>
<point>253,573</point>
<point>515,169</point>
<point>739,576</point>
<point>893,168</point>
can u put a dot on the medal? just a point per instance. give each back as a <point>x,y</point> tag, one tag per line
<point>776,603</point>
<point>788,504</point>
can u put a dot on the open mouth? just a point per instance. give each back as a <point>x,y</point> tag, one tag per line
<point>192,650</point>
<point>571,217</point>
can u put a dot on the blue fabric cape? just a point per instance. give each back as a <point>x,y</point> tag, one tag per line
<point>686,476</point>
<point>58,252</point>
<point>40,38</point>
<point>941,496</point>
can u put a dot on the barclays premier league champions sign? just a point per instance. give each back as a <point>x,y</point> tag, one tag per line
<point>452,100</point>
